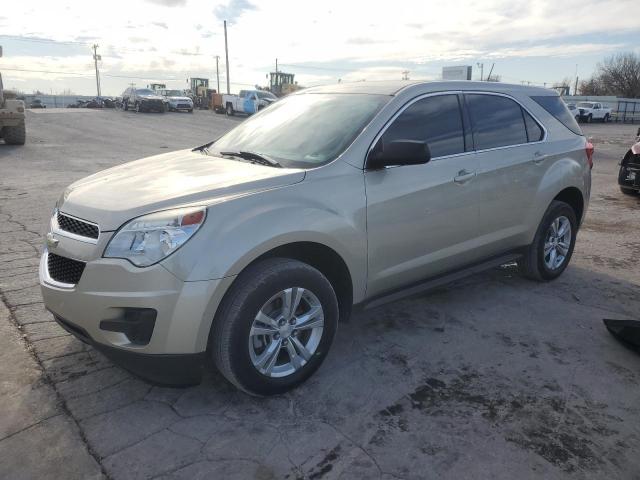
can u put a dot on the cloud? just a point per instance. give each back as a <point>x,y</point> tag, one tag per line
<point>160,25</point>
<point>363,41</point>
<point>169,3</point>
<point>233,10</point>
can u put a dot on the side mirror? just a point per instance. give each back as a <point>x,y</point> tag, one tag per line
<point>398,152</point>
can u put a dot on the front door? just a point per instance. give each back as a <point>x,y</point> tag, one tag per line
<point>250,101</point>
<point>422,220</point>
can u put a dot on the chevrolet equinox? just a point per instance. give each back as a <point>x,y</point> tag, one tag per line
<point>248,251</point>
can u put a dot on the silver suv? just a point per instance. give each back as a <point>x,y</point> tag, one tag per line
<point>249,251</point>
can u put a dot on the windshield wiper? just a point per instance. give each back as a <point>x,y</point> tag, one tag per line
<point>253,157</point>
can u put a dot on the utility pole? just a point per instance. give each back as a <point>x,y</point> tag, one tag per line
<point>226,53</point>
<point>490,72</point>
<point>218,72</point>
<point>96,57</point>
<point>276,65</point>
<point>481,67</point>
<point>575,89</point>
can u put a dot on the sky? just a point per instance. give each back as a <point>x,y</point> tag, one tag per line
<point>47,44</point>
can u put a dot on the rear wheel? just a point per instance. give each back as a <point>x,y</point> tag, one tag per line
<point>549,254</point>
<point>274,327</point>
<point>229,110</point>
<point>15,135</point>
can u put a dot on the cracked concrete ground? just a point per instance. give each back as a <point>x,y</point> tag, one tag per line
<point>492,377</point>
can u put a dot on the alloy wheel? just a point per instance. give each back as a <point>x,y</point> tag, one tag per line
<point>286,332</point>
<point>557,243</point>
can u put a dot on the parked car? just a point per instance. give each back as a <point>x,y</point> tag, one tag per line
<point>248,101</point>
<point>249,250</point>
<point>590,111</point>
<point>629,175</point>
<point>176,100</point>
<point>37,103</point>
<point>95,103</point>
<point>143,100</point>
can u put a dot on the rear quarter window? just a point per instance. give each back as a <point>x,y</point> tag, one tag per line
<point>556,107</point>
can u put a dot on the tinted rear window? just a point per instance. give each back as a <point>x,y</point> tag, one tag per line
<point>496,121</point>
<point>556,107</point>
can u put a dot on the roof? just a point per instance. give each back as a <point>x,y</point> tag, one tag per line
<point>394,87</point>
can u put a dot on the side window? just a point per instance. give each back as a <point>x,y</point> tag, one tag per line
<point>534,130</point>
<point>435,120</point>
<point>496,121</point>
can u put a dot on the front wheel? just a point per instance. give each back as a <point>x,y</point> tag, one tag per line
<point>15,135</point>
<point>628,191</point>
<point>549,254</point>
<point>605,119</point>
<point>274,327</point>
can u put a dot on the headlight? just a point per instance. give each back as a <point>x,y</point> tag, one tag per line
<point>148,239</point>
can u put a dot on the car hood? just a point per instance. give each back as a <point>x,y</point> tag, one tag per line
<point>180,99</point>
<point>114,196</point>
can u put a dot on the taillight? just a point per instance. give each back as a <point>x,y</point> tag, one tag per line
<point>589,149</point>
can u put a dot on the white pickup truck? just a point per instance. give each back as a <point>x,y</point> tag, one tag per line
<point>248,101</point>
<point>590,111</point>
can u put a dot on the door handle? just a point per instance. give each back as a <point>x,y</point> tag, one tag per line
<point>539,157</point>
<point>463,176</point>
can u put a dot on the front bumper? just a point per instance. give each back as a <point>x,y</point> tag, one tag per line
<point>109,288</point>
<point>629,176</point>
<point>175,370</point>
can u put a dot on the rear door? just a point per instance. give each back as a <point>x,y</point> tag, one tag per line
<point>510,162</point>
<point>422,219</point>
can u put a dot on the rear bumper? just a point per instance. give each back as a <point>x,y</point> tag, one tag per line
<point>175,370</point>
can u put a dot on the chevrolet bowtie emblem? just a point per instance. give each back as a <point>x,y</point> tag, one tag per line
<point>52,242</point>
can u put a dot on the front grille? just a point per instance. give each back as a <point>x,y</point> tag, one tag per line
<point>63,269</point>
<point>79,227</point>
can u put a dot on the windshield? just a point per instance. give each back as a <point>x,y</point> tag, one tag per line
<point>174,93</point>
<point>145,91</point>
<point>585,105</point>
<point>262,94</point>
<point>305,130</point>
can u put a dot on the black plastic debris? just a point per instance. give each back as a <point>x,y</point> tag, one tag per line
<point>627,331</point>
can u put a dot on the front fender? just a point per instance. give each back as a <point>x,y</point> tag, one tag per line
<point>328,211</point>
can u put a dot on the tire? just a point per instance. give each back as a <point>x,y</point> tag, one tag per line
<point>628,191</point>
<point>125,105</point>
<point>137,107</point>
<point>534,264</point>
<point>589,118</point>
<point>605,119</point>
<point>15,135</point>
<point>191,110</point>
<point>256,289</point>
<point>229,110</point>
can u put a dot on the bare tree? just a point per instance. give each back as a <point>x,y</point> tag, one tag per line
<point>617,75</point>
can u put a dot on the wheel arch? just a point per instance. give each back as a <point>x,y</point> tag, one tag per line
<point>323,258</point>
<point>573,197</point>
